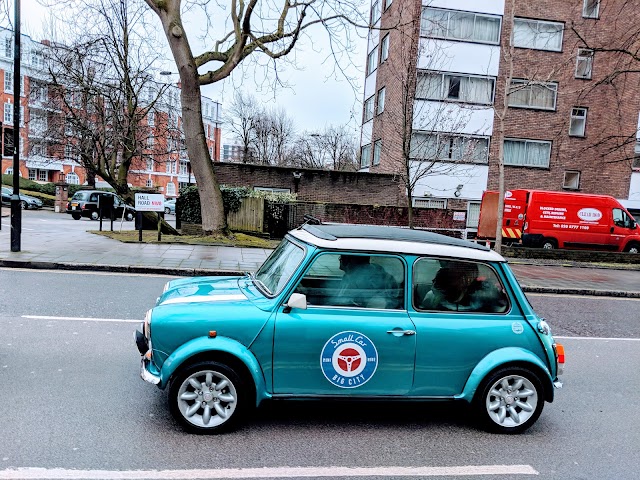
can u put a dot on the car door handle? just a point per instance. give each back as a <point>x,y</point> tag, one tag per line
<point>401,332</point>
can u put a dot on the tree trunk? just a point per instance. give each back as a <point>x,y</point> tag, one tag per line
<point>213,217</point>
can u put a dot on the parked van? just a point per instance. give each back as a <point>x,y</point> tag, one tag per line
<point>537,218</point>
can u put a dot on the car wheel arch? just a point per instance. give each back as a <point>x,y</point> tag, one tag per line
<point>225,351</point>
<point>504,358</point>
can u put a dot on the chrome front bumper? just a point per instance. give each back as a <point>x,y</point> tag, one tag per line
<point>146,375</point>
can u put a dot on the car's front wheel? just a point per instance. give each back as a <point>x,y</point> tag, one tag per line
<point>208,397</point>
<point>510,400</point>
<point>167,210</point>
<point>76,216</point>
<point>128,216</point>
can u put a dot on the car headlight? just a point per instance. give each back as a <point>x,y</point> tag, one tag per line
<point>146,329</point>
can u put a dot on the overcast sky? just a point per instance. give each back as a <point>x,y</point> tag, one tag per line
<point>314,98</point>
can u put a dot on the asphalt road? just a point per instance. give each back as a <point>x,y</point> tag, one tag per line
<point>71,398</point>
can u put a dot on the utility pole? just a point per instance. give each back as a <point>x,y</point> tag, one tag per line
<point>16,211</point>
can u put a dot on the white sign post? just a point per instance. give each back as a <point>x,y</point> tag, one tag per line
<point>149,202</point>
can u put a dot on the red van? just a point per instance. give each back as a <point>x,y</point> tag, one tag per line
<point>550,220</point>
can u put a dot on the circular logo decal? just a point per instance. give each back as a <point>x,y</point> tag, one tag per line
<point>589,214</point>
<point>517,328</point>
<point>508,194</point>
<point>349,359</point>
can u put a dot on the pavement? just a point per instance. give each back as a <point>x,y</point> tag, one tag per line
<point>55,241</point>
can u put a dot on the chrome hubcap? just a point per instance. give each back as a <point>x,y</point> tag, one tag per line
<point>207,399</point>
<point>512,401</point>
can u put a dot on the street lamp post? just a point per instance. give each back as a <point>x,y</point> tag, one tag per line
<point>16,211</point>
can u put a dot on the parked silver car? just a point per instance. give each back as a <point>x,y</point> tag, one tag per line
<point>26,201</point>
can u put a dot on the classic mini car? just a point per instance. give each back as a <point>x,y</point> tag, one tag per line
<point>353,312</point>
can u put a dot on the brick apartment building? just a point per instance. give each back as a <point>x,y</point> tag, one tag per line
<point>163,163</point>
<point>571,121</point>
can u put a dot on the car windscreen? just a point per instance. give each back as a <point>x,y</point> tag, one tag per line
<point>276,271</point>
<point>80,196</point>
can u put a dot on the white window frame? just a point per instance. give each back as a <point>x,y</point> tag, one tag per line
<point>149,165</point>
<point>33,174</point>
<point>149,183</point>
<point>171,189</point>
<point>8,81</point>
<point>72,178</point>
<point>8,113</point>
<point>376,11</point>
<point>365,156</point>
<point>441,141</point>
<point>43,176</point>
<point>372,61</point>
<point>447,36</point>
<point>384,48</point>
<point>585,55</point>
<point>377,152</point>
<point>387,4</point>
<point>573,175</point>
<point>382,93</point>
<point>538,23</point>
<point>527,142</point>
<point>428,202</point>
<point>272,189</point>
<point>444,92</point>
<point>184,167</point>
<point>369,109</point>
<point>8,45</point>
<point>591,9</point>
<point>578,115</point>
<point>151,118</point>
<point>528,84</point>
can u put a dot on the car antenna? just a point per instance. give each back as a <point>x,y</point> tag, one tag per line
<point>310,220</point>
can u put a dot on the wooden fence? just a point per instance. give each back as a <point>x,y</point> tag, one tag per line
<point>250,216</point>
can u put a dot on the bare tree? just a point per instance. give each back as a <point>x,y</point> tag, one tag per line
<point>257,29</point>
<point>240,117</point>
<point>333,149</point>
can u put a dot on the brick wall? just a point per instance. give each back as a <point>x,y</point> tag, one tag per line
<point>316,185</point>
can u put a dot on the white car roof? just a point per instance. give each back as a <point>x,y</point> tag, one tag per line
<point>392,240</point>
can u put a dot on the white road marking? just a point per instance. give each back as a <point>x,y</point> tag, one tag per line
<point>266,472</point>
<point>81,319</point>
<point>88,272</point>
<point>600,338</point>
<point>590,297</point>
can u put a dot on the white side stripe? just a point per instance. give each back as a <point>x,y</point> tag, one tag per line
<point>276,472</point>
<point>82,319</point>
<point>600,338</point>
<point>205,299</point>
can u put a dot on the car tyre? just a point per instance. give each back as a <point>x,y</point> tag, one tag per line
<point>95,216</point>
<point>128,216</point>
<point>549,244</point>
<point>23,205</point>
<point>208,398</point>
<point>509,400</point>
<point>167,210</point>
<point>76,216</point>
<point>632,248</point>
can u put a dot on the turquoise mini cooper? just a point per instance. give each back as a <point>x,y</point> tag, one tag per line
<point>357,312</point>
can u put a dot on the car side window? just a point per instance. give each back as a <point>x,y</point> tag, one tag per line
<point>354,280</point>
<point>621,219</point>
<point>93,197</point>
<point>457,286</point>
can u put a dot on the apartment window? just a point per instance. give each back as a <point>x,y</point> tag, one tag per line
<point>149,165</point>
<point>528,94</point>
<point>37,58</point>
<point>8,46</point>
<point>384,48</point>
<point>149,183</point>
<point>8,113</point>
<point>151,118</point>
<point>171,189</point>
<point>584,63</point>
<point>38,150</point>
<point>461,88</point>
<point>43,175</point>
<point>365,154</point>
<point>8,82</point>
<point>456,25</point>
<point>184,167</point>
<point>571,180</point>
<point>387,3</point>
<point>527,153</point>
<point>368,109</point>
<point>578,122</point>
<point>171,166</point>
<point>372,61</point>
<point>377,152</point>
<point>150,141</point>
<point>591,9</point>
<point>33,174</point>
<point>537,34</point>
<point>68,151</point>
<point>447,147</point>
<point>375,12</point>
<point>380,103</point>
<point>72,178</point>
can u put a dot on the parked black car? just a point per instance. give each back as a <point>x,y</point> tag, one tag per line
<point>84,203</point>
<point>26,201</point>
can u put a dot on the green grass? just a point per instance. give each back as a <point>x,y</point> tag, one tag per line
<point>151,236</point>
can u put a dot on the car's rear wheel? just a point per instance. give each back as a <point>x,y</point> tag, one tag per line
<point>167,210</point>
<point>509,400</point>
<point>95,216</point>
<point>208,397</point>
<point>76,216</point>
<point>549,244</point>
<point>128,216</point>
<point>23,205</point>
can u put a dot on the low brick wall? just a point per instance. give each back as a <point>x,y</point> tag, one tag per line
<point>573,255</point>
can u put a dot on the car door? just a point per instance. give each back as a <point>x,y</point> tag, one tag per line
<point>456,330</point>
<point>346,342</point>
<point>621,228</point>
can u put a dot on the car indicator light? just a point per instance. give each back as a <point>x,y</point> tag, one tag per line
<point>560,352</point>
<point>213,334</point>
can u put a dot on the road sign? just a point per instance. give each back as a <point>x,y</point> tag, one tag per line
<point>149,202</point>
